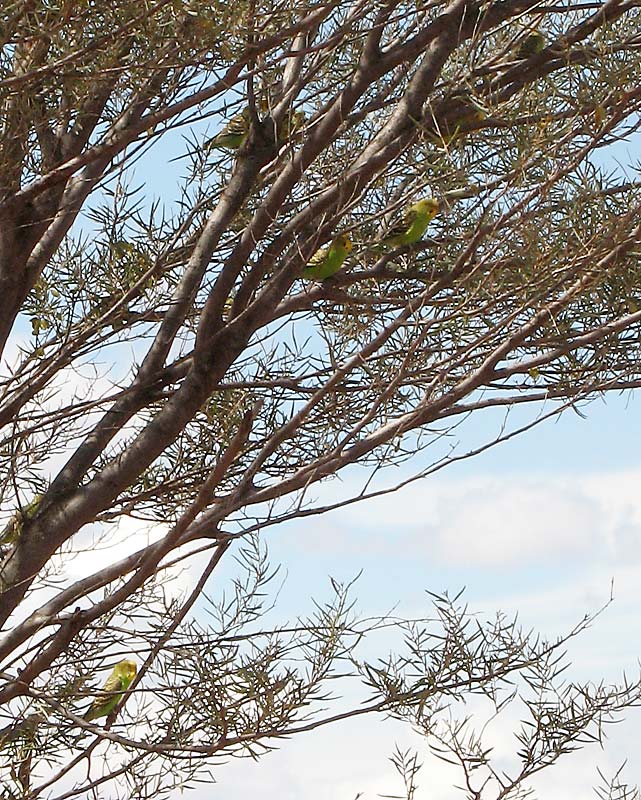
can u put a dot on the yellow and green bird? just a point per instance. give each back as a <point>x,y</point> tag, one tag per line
<point>234,133</point>
<point>530,45</point>
<point>413,224</point>
<point>469,108</point>
<point>328,260</point>
<point>111,693</point>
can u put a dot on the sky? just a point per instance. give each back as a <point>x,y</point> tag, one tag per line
<point>546,526</point>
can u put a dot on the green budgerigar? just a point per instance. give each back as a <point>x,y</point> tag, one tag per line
<point>328,260</point>
<point>413,224</point>
<point>530,45</point>
<point>469,108</point>
<point>111,693</point>
<point>24,729</point>
<point>234,133</point>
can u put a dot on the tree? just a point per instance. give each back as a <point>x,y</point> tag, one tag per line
<point>165,362</point>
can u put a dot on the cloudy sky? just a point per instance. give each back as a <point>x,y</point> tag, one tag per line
<point>542,526</point>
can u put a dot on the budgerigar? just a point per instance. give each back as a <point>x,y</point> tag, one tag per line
<point>111,693</point>
<point>328,260</point>
<point>461,112</point>
<point>530,45</point>
<point>12,530</point>
<point>233,134</point>
<point>469,108</point>
<point>413,224</point>
<point>292,124</point>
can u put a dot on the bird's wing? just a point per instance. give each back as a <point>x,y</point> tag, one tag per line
<point>318,257</point>
<point>409,216</point>
<point>105,697</point>
<point>401,225</point>
<point>114,683</point>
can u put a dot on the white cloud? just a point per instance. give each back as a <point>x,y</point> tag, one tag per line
<point>94,548</point>
<point>501,523</point>
<point>494,521</point>
<point>545,547</point>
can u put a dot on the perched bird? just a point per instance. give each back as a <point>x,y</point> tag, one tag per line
<point>24,729</point>
<point>234,133</point>
<point>530,45</point>
<point>599,115</point>
<point>109,696</point>
<point>456,115</point>
<point>328,260</point>
<point>469,108</point>
<point>413,224</point>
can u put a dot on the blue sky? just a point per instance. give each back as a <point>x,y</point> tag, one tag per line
<point>539,526</point>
